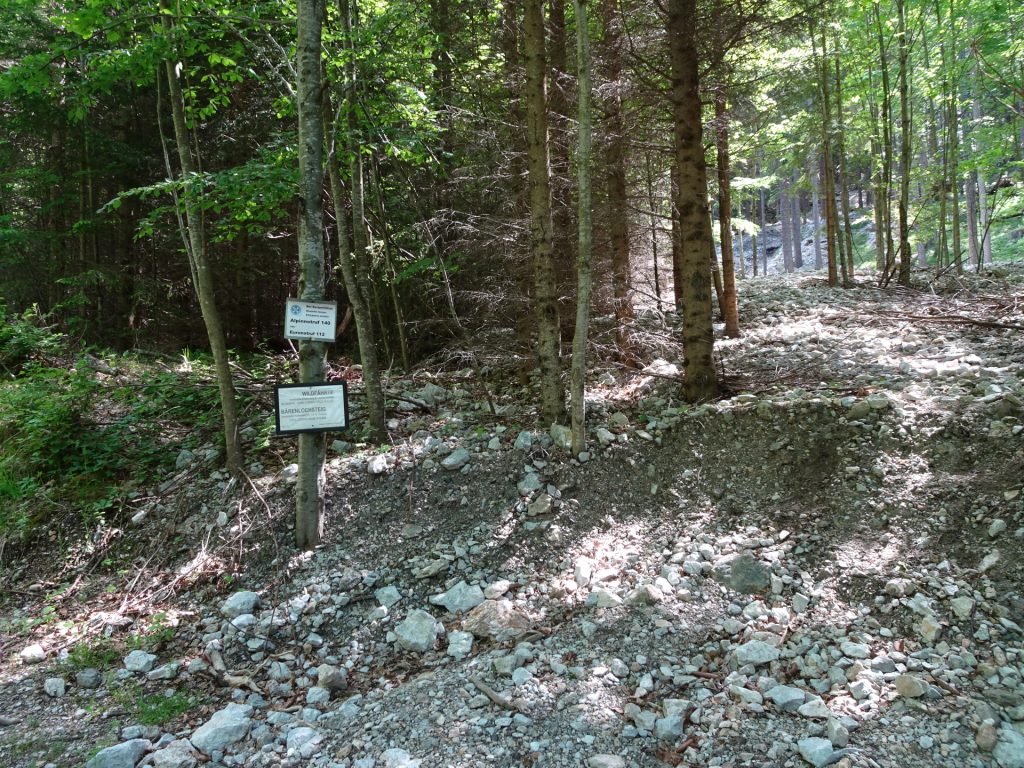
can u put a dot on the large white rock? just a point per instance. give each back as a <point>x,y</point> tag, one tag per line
<point>1009,751</point>
<point>177,754</point>
<point>910,687</point>
<point>457,459</point>
<point>32,654</point>
<point>459,644</point>
<point>388,596</point>
<point>786,697</point>
<point>418,632</point>
<point>756,652</point>
<point>399,758</point>
<point>303,742</point>
<point>139,661</point>
<point>816,751</point>
<point>123,755</point>
<point>460,598</point>
<point>852,650</point>
<point>224,728</point>
<point>54,687</point>
<point>606,761</point>
<point>239,603</point>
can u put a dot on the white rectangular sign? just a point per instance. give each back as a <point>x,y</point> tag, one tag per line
<point>313,320</point>
<point>311,407</point>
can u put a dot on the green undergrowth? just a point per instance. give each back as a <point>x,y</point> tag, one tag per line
<point>77,443</point>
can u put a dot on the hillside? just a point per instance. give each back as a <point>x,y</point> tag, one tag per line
<point>823,568</point>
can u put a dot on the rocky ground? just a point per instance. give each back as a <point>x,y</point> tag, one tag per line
<point>821,569</point>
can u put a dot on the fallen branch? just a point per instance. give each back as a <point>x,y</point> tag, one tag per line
<point>954,320</point>
<point>491,694</point>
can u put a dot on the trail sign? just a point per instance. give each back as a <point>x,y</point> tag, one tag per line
<point>313,320</point>
<point>310,407</point>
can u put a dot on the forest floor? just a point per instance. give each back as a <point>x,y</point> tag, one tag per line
<point>824,568</point>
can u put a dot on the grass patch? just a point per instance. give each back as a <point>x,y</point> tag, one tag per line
<point>93,654</point>
<point>157,709</point>
<point>153,708</point>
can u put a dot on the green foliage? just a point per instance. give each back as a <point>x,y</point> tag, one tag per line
<point>73,442</point>
<point>157,709</point>
<point>158,633</point>
<point>100,653</point>
<point>245,199</point>
<point>23,338</point>
<point>152,708</point>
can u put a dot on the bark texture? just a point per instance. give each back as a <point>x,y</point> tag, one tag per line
<point>583,274</point>
<point>309,497</point>
<point>545,288</point>
<point>696,244</point>
<point>730,309</point>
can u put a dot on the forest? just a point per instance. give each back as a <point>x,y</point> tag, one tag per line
<point>681,342</point>
<point>467,168</point>
<point>890,134</point>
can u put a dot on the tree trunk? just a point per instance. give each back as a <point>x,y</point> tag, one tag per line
<point>738,257</point>
<point>716,273</point>
<point>309,487</point>
<point>351,273</point>
<point>697,246</point>
<point>877,195</point>
<point>509,41</point>
<point>652,204</point>
<point>558,108</point>
<point>785,225</point>
<point>552,395</point>
<point>844,188</point>
<point>583,280</point>
<point>796,230</point>
<point>200,267</point>
<point>764,229</point>
<point>905,145</point>
<point>971,193</point>
<point>677,240</point>
<point>953,132</point>
<point>828,167</point>
<point>753,237</point>
<point>983,212</point>
<point>615,161</point>
<point>885,120</point>
<point>816,220</point>
<point>730,310</point>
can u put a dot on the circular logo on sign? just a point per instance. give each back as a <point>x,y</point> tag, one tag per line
<point>296,309</point>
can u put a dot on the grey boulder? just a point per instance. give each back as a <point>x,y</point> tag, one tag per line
<point>224,728</point>
<point>418,632</point>
<point>123,755</point>
<point>240,603</point>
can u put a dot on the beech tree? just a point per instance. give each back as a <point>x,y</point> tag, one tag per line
<point>309,106</point>
<point>195,226</point>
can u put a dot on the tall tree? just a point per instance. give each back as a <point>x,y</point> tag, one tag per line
<point>903,46</point>
<point>828,166</point>
<point>201,273</point>
<point>545,288</point>
<point>309,498</point>
<point>730,310</point>
<point>615,150</point>
<point>353,254</point>
<point>844,188</point>
<point>697,245</point>
<point>583,277</point>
